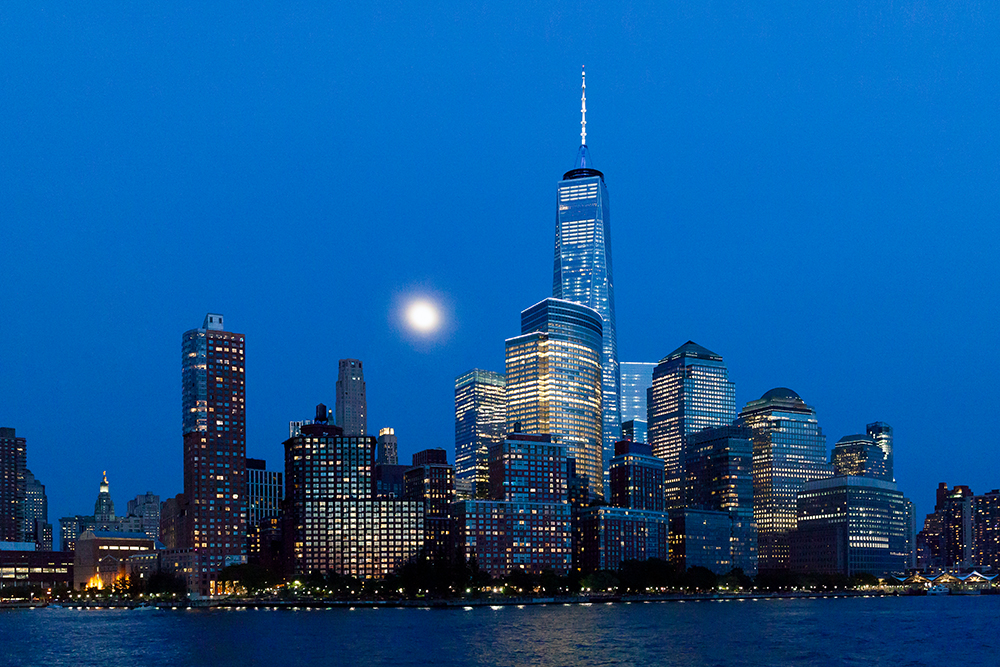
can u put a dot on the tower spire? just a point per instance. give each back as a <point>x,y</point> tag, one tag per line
<point>583,110</point>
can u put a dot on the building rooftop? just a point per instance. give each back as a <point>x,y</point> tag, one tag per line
<point>692,349</point>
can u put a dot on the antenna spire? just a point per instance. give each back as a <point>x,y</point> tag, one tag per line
<point>583,110</point>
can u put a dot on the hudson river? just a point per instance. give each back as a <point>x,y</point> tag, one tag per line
<point>894,632</point>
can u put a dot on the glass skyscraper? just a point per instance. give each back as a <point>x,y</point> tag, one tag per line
<point>789,449</point>
<point>882,434</point>
<point>480,421</point>
<point>691,391</point>
<point>582,270</point>
<point>554,381</point>
<point>352,405</point>
<point>637,377</point>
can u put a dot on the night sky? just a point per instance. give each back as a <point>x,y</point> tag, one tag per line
<point>810,190</point>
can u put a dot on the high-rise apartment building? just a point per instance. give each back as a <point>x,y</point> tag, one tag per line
<point>691,391</point>
<point>265,491</point>
<point>144,511</point>
<point>37,528</point>
<point>582,270</point>
<point>352,406</point>
<point>13,463</point>
<point>431,481</point>
<point>213,381</point>
<point>333,523</point>
<point>789,449</point>
<point>526,523</point>
<point>637,378</point>
<point>636,477</point>
<point>480,421</point>
<point>387,448</point>
<point>554,381</point>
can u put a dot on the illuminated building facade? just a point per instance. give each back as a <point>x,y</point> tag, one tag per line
<point>947,538</point>
<point>986,530</point>
<point>636,477</point>
<point>719,478</point>
<point>265,491</point>
<point>881,433</point>
<point>691,391</point>
<point>352,404</point>
<point>527,523</point>
<point>213,380</point>
<point>637,378</point>
<point>387,448</point>
<point>101,557</point>
<point>431,481</point>
<point>701,538</point>
<point>554,381</point>
<point>480,421</point>
<point>611,535</point>
<point>43,569</point>
<point>849,525</point>
<point>789,449</point>
<point>582,270</point>
<point>103,519</point>
<point>332,520</point>
<point>859,456</point>
<point>635,430</point>
<point>144,511</point>
<point>13,463</point>
<point>37,528</point>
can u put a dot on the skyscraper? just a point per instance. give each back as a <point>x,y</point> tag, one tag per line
<point>691,391</point>
<point>882,434</point>
<point>480,421</point>
<point>213,380</point>
<point>37,528</point>
<point>789,449</point>
<point>582,270</point>
<point>858,455</point>
<point>637,378</point>
<point>352,406</point>
<point>13,462</point>
<point>387,448</point>
<point>554,381</point>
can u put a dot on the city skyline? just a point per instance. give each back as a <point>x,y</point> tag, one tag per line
<point>710,168</point>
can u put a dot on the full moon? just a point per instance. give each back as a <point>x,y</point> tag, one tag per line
<point>423,316</point>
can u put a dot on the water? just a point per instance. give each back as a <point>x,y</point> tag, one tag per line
<point>896,632</point>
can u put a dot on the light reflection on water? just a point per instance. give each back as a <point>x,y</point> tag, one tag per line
<point>811,632</point>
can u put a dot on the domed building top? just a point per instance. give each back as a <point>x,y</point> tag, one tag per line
<point>780,392</point>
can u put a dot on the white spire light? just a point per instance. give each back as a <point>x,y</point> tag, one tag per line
<point>583,110</point>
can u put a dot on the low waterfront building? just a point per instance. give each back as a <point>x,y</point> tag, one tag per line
<point>21,565</point>
<point>101,557</point>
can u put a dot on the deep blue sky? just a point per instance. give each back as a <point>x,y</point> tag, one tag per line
<point>809,189</point>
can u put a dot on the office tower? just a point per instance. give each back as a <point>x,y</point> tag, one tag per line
<point>13,462</point>
<point>911,533</point>
<point>582,271</point>
<point>332,523</point>
<point>387,448</point>
<point>265,490</point>
<point>431,481</point>
<point>554,381</point>
<point>351,406</point>
<point>635,430</point>
<point>858,455</point>
<point>146,509</point>
<point>881,433</point>
<point>637,378</point>
<point>789,449</point>
<point>526,523</point>
<point>719,478</point>
<point>691,391</point>
<point>636,477</point>
<point>480,421</point>
<point>213,380</point>
<point>849,525</point>
<point>37,528</point>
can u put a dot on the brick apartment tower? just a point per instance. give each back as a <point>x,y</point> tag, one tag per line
<point>214,418</point>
